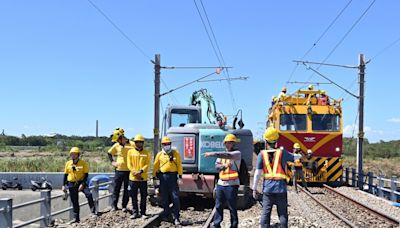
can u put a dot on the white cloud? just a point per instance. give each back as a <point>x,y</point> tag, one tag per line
<point>394,120</point>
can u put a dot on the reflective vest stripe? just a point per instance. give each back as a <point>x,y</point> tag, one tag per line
<point>228,174</point>
<point>277,172</point>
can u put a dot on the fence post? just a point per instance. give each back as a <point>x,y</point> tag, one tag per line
<point>361,180</point>
<point>111,191</point>
<point>95,193</point>
<point>353,177</point>
<point>45,208</point>
<point>347,175</point>
<point>6,212</point>
<point>393,188</point>
<point>381,185</point>
<point>370,182</point>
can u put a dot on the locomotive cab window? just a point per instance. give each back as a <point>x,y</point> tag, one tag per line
<point>325,122</point>
<point>293,122</point>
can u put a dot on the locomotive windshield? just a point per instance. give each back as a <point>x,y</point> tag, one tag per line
<point>293,122</point>
<point>325,122</point>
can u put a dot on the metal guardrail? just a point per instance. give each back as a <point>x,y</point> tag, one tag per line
<point>377,185</point>
<point>7,208</point>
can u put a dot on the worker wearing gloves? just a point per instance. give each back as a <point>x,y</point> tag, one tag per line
<point>76,173</point>
<point>118,155</point>
<point>271,164</point>
<point>168,168</point>
<point>228,164</point>
<point>138,164</point>
<point>297,167</point>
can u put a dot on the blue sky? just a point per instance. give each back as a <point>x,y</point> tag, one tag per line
<point>63,65</point>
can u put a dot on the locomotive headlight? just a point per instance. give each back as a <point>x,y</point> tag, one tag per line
<point>337,149</point>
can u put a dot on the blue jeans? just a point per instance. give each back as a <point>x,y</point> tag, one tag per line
<point>226,194</point>
<point>280,200</point>
<point>169,190</point>
<point>135,187</point>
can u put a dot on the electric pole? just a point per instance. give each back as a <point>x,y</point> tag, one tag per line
<point>360,139</point>
<point>156,130</point>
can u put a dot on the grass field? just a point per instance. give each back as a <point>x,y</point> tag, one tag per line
<point>384,166</point>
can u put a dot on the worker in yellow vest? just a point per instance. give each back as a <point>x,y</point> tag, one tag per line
<point>228,164</point>
<point>138,164</point>
<point>118,155</point>
<point>168,168</point>
<point>271,164</point>
<point>297,167</point>
<point>76,172</point>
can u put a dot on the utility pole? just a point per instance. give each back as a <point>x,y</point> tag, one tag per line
<point>156,130</point>
<point>360,139</point>
<point>97,128</point>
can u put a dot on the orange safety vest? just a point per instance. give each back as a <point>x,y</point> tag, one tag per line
<point>277,172</point>
<point>228,173</point>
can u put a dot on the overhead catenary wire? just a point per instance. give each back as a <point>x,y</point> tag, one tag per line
<point>385,49</point>
<point>120,30</point>
<point>344,37</point>
<point>216,48</point>
<point>319,38</point>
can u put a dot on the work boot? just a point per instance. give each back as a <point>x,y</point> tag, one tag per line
<point>177,222</point>
<point>134,216</point>
<point>114,209</point>
<point>145,216</point>
<point>124,209</point>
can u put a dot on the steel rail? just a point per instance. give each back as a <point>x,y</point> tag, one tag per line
<point>359,204</point>
<point>328,208</point>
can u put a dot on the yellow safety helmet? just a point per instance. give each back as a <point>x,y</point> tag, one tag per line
<point>75,150</point>
<point>138,138</point>
<point>296,146</point>
<point>271,134</point>
<point>323,92</point>
<point>284,89</point>
<point>230,138</point>
<point>117,133</point>
<point>166,140</point>
<point>310,87</point>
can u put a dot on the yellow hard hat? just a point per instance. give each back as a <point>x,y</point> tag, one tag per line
<point>138,137</point>
<point>296,146</point>
<point>117,133</point>
<point>271,134</point>
<point>323,92</point>
<point>310,87</point>
<point>75,150</point>
<point>230,138</point>
<point>165,140</point>
<point>284,89</point>
<point>273,97</point>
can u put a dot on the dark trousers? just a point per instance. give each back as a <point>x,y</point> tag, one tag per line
<point>119,178</point>
<point>135,187</point>
<point>298,173</point>
<point>169,190</point>
<point>280,200</point>
<point>226,194</point>
<point>74,196</point>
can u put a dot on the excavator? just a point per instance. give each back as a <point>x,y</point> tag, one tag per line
<point>196,129</point>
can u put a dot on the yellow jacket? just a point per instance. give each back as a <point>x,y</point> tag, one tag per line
<point>76,172</point>
<point>163,164</point>
<point>122,154</point>
<point>138,161</point>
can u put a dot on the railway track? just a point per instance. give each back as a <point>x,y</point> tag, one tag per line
<point>348,210</point>
<point>156,220</point>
